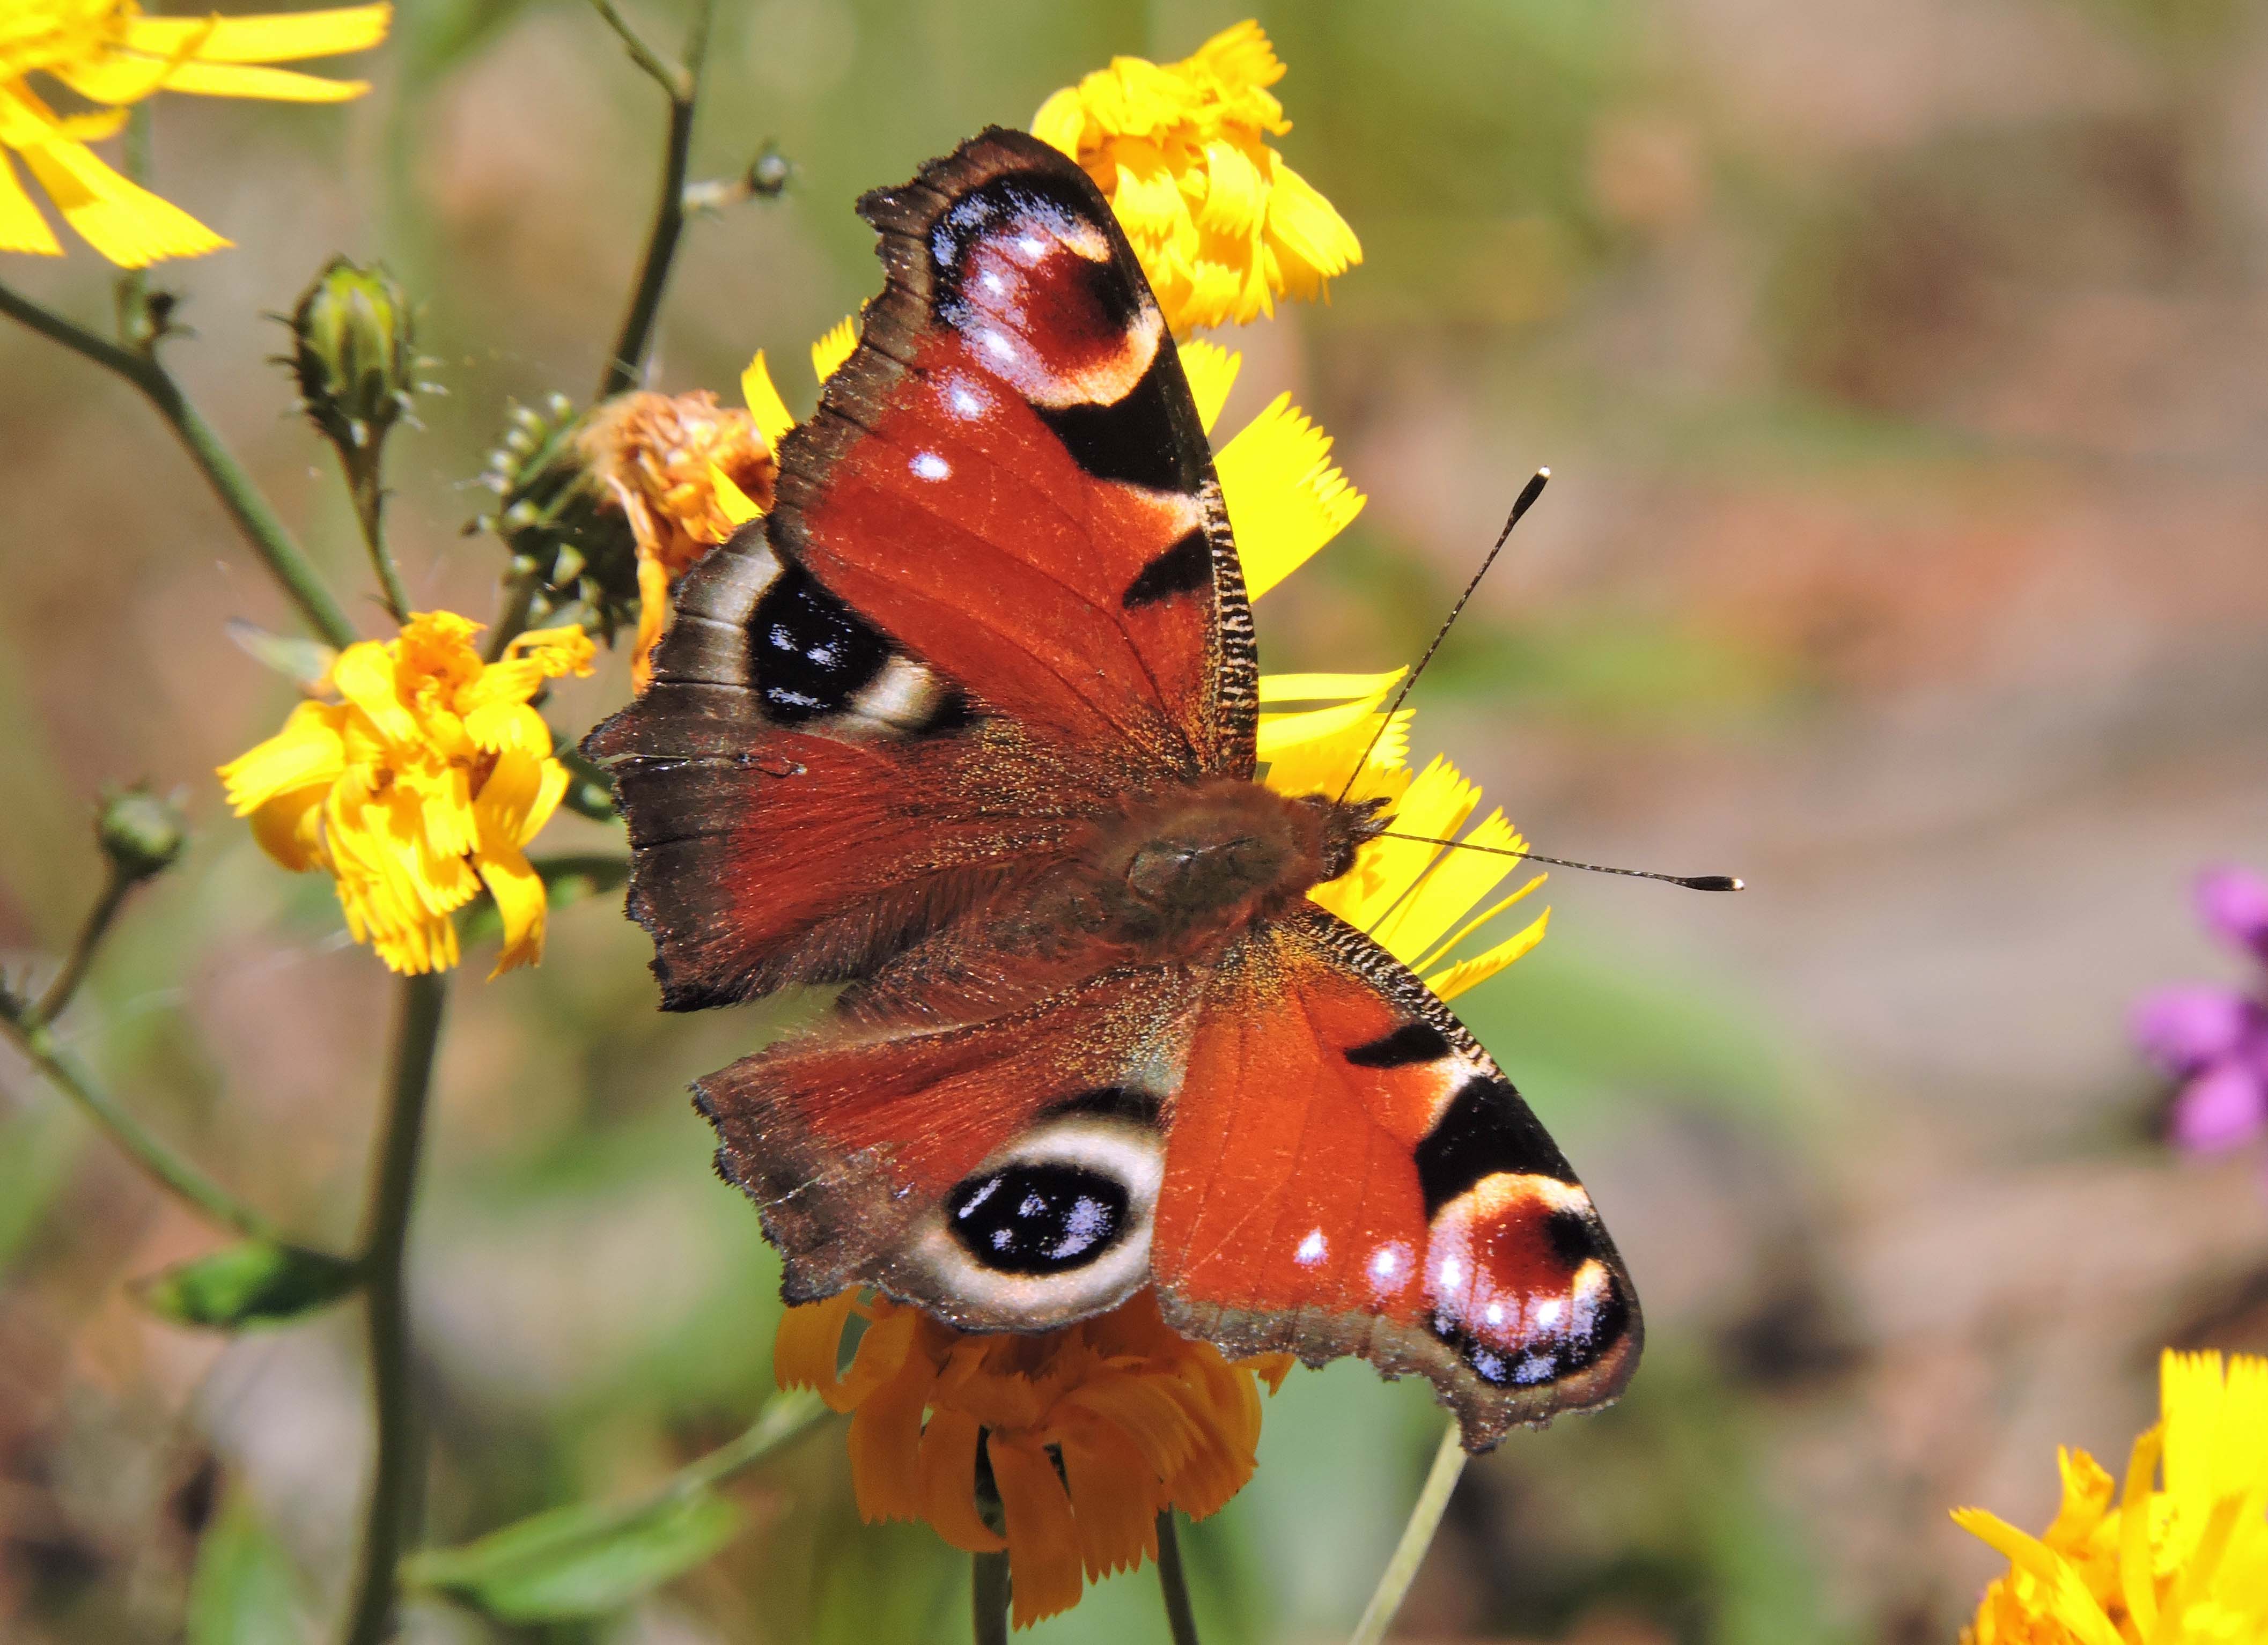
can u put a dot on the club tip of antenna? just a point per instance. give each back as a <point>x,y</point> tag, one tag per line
<point>1544,472</point>
<point>1712,882</point>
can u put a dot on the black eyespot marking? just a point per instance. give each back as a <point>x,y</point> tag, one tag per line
<point>1113,1102</point>
<point>1571,1238</point>
<point>1412,1042</point>
<point>1184,568</point>
<point>1039,1218</point>
<point>810,653</point>
<point>1485,1129</point>
<point>1136,438</point>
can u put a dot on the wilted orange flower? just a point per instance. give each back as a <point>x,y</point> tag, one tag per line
<point>685,471</point>
<point>1091,1431</point>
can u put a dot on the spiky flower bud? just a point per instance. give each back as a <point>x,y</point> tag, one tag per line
<point>141,834</point>
<point>354,351</point>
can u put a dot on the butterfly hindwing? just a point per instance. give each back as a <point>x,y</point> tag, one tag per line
<point>1348,1171</point>
<point>996,588</point>
<point>1002,1174</point>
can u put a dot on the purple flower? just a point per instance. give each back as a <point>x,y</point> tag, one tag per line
<point>2215,1039</point>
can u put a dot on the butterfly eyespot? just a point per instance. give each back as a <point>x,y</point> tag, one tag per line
<point>1039,1218</point>
<point>811,653</point>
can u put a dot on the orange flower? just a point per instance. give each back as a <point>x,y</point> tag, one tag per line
<point>685,471</point>
<point>1091,1432</point>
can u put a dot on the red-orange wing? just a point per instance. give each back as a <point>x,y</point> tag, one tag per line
<point>1347,1171</point>
<point>997,597</point>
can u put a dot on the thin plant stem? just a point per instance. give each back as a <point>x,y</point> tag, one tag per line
<point>626,360</point>
<point>1416,1538</point>
<point>988,1599</point>
<point>1173,1582</point>
<point>116,884</point>
<point>369,495</point>
<point>177,1175</point>
<point>251,511</point>
<point>386,1528</point>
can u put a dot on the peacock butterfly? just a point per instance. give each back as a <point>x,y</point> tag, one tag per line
<point>966,724</point>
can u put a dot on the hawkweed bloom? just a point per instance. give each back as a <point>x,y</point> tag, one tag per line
<point>1086,1434</point>
<point>108,54</point>
<point>1222,226</point>
<point>2213,1039</point>
<point>2180,1563</point>
<point>421,780</point>
<point>684,470</point>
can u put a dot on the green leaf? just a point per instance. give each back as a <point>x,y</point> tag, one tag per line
<point>245,1590</point>
<point>580,1561</point>
<point>247,1284</point>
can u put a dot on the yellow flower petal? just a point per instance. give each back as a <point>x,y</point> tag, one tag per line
<point>1441,950</point>
<point>945,1476</point>
<point>276,85</point>
<point>521,903</point>
<point>1285,499</point>
<point>124,221</point>
<point>281,37</point>
<point>831,350</point>
<point>1457,881</point>
<point>739,506</point>
<point>807,1349</point>
<point>1470,973</point>
<point>1211,371</point>
<point>308,750</point>
<point>22,228</point>
<point>762,398</point>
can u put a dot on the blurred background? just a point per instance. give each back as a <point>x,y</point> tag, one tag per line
<point>1900,365</point>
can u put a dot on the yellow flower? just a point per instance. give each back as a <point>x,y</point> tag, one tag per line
<point>2183,1565</point>
<point>107,53</point>
<point>1091,1431</point>
<point>1222,226</point>
<point>423,782</point>
<point>1286,500</point>
<point>685,471</point>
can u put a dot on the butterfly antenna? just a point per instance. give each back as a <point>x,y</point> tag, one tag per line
<point>1525,501</point>
<point>1691,882</point>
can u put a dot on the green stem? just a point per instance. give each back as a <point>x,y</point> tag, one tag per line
<point>1174,1582</point>
<point>628,360</point>
<point>369,513</point>
<point>236,492</point>
<point>394,1483</point>
<point>38,1043</point>
<point>1416,1538</point>
<point>989,1594</point>
<point>116,883</point>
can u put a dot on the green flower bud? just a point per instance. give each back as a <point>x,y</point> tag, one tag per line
<point>354,351</point>
<point>141,834</point>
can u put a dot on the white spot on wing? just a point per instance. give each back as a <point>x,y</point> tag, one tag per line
<point>930,466</point>
<point>1312,1249</point>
